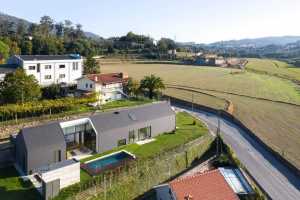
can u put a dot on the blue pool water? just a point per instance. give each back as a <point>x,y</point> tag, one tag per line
<point>108,161</point>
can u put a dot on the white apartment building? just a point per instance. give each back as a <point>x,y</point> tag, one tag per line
<point>51,69</point>
<point>109,87</point>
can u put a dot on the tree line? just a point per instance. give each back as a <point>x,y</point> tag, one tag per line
<point>49,37</point>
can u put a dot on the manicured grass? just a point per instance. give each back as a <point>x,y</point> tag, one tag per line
<point>186,131</point>
<point>276,124</point>
<point>12,187</point>
<point>125,103</point>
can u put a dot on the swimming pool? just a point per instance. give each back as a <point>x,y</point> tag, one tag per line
<point>96,166</point>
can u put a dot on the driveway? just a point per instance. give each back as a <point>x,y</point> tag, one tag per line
<point>278,181</point>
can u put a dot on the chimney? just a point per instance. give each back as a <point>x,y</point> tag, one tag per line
<point>188,197</point>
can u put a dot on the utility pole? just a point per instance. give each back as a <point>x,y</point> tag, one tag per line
<point>218,134</point>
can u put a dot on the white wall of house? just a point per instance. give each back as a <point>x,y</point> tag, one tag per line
<point>106,93</point>
<point>48,72</point>
<point>67,175</point>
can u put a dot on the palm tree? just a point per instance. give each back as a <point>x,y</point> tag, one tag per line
<point>152,84</point>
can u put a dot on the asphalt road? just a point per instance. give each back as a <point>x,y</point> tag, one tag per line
<point>278,181</point>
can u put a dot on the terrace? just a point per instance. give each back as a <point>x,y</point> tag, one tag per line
<point>80,137</point>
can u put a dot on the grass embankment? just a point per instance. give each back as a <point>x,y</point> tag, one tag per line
<point>12,187</point>
<point>274,68</point>
<point>276,124</point>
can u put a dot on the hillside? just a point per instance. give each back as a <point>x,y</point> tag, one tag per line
<point>258,42</point>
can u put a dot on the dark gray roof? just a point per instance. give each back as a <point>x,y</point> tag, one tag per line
<point>125,117</point>
<point>49,57</point>
<point>7,68</point>
<point>43,136</point>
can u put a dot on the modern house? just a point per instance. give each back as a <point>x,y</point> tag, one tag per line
<point>44,145</point>
<point>50,69</point>
<point>108,86</point>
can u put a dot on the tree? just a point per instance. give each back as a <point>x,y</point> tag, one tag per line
<point>46,25</point>
<point>91,66</point>
<point>132,88</point>
<point>52,92</point>
<point>18,87</point>
<point>152,84</point>
<point>26,47</point>
<point>4,52</point>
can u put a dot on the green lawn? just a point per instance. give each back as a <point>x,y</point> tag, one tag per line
<point>186,131</point>
<point>12,187</point>
<point>125,103</point>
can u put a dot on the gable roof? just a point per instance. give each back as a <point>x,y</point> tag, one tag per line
<point>209,186</point>
<point>49,57</point>
<point>7,68</point>
<point>125,117</point>
<point>106,79</point>
<point>42,136</point>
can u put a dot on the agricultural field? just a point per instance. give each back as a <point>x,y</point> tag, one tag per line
<point>277,124</point>
<point>274,67</point>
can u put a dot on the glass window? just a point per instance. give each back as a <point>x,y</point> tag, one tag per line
<point>31,67</point>
<point>75,66</point>
<point>62,66</point>
<point>91,85</point>
<point>62,76</point>
<point>86,85</point>
<point>121,142</point>
<point>47,66</point>
<point>47,76</point>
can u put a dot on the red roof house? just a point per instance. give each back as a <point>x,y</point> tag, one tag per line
<point>210,185</point>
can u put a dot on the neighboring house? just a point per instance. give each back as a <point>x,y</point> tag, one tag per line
<point>108,86</point>
<point>221,183</point>
<point>37,147</point>
<point>50,69</point>
<point>5,69</point>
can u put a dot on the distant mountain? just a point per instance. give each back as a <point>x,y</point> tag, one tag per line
<point>258,42</point>
<point>8,18</point>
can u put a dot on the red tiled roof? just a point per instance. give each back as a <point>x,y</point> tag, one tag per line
<point>210,185</point>
<point>106,78</point>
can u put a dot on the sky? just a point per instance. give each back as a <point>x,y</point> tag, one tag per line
<point>201,21</point>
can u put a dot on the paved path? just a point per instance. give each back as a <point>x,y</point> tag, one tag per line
<point>276,179</point>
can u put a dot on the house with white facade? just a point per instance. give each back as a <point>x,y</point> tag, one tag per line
<point>109,87</point>
<point>51,69</point>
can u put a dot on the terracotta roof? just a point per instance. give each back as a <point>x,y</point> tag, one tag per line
<point>210,185</point>
<point>106,78</point>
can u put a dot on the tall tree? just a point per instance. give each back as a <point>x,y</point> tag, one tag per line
<point>132,88</point>
<point>152,84</point>
<point>46,25</point>
<point>18,87</point>
<point>91,66</point>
